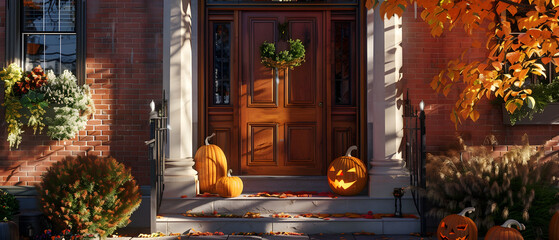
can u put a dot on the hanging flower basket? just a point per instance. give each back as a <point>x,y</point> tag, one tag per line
<point>291,58</point>
<point>43,100</point>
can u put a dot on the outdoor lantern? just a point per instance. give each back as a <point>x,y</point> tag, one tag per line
<point>398,193</point>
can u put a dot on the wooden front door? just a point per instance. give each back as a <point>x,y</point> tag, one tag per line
<point>292,123</point>
<point>281,112</point>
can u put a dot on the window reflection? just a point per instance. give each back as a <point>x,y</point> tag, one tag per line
<point>49,34</point>
<point>342,63</point>
<point>221,63</point>
<point>52,51</point>
<point>49,15</point>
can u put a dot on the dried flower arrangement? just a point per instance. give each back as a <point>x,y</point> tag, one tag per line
<point>519,185</point>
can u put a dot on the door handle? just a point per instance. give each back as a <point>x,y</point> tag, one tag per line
<point>320,104</point>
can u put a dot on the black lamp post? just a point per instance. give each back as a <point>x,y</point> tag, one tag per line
<point>398,193</point>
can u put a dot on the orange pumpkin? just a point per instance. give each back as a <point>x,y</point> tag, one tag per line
<point>229,186</point>
<point>347,175</point>
<point>457,227</point>
<point>505,232</point>
<point>211,165</point>
<point>554,227</point>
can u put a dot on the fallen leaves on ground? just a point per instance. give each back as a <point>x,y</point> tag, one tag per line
<point>193,232</point>
<point>251,215</point>
<point>215,214</point>
<point>369,215</point>
<point>293,194</point>
<point>268,233</point>
<point>324,216</point>
<point>207,194</point>
<point>281,215</point>
<point>151,235</point>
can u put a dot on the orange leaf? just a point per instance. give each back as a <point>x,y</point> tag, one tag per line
<point>370,4</point>
<point>511,106</point>
<point>474,115</point>
<point>512,10</point>
<point>497,65</point>
<point>522,74</point>
<point>513,57</point>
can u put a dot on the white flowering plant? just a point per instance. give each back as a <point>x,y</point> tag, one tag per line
<point>70,105</point>
<point>37,99</point>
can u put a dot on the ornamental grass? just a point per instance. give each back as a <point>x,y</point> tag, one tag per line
<point>521,184</point>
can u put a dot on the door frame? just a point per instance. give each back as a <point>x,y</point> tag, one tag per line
<point>234,10</point>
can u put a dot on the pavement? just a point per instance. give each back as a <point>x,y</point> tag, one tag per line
<point>287,237</point>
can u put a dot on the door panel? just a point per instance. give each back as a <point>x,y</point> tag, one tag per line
<point>281,112</point>
<point>304,77</point>
<point>301,135</point>
<point>262,144</point>
<point>263,90</point>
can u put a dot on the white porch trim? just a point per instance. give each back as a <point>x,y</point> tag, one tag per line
<point>384,63</point>
<point>180,84</point>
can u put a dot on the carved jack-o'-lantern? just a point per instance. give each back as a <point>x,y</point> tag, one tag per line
<point>347,175</point>
<point>457,227</point>
<point>505,232</point>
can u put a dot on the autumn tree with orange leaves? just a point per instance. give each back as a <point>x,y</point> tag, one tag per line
<point>522,38</point>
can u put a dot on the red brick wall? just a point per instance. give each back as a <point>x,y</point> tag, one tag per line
<point>424,57</point>
<point>124,70</point>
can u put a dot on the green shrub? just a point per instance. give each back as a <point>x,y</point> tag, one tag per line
<point>9,206</point>
<point>89,195</point>
<point>518,185</point>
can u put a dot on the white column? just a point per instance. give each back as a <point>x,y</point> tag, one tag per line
<point>178,82</point>
<point>384,61</point>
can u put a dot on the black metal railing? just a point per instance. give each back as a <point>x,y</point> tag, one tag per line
<point>415,155</point>
<point>157,149</point>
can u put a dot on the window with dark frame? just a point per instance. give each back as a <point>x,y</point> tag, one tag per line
<point>49,33</point>
<point>48,30</point>
<point>342,71</point>
<point>221,72</point>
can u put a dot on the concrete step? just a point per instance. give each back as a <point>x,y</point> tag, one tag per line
<point>292,205</point>
<point>284,183</point>
<point>179,224</point>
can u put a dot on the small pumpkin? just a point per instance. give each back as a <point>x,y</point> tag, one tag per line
<point>505,232</point>
<point>457,227</point>
<point>211,164</point>
<point>554,227</point>
<point>347,175</point>
<point>229,186</point>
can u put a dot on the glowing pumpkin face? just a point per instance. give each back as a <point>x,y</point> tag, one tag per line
<point>347,175</point>
<point>457,227</point>
<point>455,232</point>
